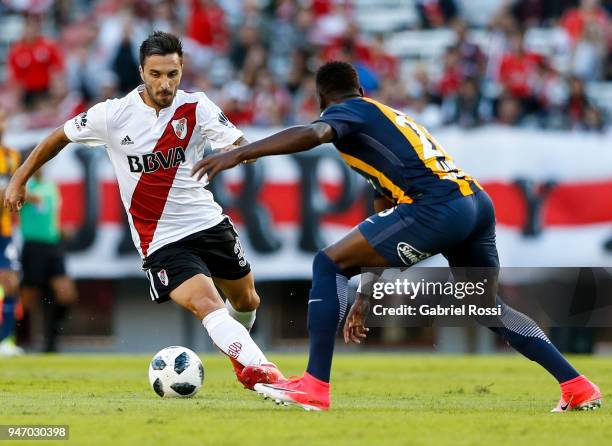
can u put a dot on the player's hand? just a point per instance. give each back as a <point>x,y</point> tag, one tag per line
<point>354,327</point>
<point>215,163</point>
<point>234,147</point>
<point>14,196</point>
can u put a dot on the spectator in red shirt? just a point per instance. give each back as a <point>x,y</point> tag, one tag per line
<point>237,104</point>
<point>517,68</point>
<point>32,62</point>
<point>451,77</point>
<point>350,38</point>
<point>384,64</point>
<point>321,7</point>
<point>575,20</point>
<point>206,24</point>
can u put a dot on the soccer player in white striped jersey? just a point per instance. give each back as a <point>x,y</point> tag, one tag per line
<point>154,136</point>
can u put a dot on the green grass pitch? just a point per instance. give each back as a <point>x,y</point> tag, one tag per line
<point>401,399</point>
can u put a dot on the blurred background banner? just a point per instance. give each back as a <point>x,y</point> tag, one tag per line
<point>552,193</point>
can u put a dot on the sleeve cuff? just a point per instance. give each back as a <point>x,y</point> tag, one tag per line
<point>68,131</point>
<point>333,125</point>
<point>230,138</point>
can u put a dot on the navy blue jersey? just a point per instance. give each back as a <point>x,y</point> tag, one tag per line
<point>397,156</point>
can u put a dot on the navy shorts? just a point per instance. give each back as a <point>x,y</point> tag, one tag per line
<point>462,229</point>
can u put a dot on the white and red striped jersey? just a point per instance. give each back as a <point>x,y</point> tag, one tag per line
<point>152,156</point>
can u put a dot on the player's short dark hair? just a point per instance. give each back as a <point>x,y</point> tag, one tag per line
<point>160,43</point>
<point>337,78</point>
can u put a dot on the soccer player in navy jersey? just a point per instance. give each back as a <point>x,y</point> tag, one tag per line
<point>426,205</point>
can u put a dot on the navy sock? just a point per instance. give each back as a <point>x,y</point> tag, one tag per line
<point>524,335</point>
<point>326,308</point>
<point>8,318</point>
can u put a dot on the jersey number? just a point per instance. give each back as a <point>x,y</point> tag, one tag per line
<point>444,162</point>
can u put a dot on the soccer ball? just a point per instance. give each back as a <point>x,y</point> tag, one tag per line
<point>176,372</point>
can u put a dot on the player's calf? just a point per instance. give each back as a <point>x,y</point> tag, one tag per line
<point>199,295</point>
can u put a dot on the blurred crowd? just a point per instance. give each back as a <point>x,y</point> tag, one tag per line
<point>257,58</point>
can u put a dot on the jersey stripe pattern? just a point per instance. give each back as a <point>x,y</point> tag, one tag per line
<point>152,153</point>
<point>151,192</point>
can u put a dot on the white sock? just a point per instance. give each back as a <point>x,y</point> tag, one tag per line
<point>232,338</point>
<point>246,318</point>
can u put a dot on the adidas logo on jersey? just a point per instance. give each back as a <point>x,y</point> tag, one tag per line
<point>126,141</point>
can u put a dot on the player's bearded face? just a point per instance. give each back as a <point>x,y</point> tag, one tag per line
<point>161,76</point>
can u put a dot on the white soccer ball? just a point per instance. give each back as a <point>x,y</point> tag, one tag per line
<point>176,372</point>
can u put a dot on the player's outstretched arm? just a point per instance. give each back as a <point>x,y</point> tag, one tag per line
<point>14,195</point>
<point>292,140</point>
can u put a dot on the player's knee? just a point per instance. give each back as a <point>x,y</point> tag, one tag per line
<point>247,301</point>
<point>200,305</point>
<point>254,301</point>
<point>64,290</point>
<point>323,264</point>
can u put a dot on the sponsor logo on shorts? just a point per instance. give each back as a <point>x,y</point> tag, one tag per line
<point>163,277</point>
<point>234,349</point>
<point>240,253</point>
<point>409,254</point>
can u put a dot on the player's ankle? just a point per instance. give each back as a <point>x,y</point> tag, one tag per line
<point>316,382</point>
<point>572,382</point>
